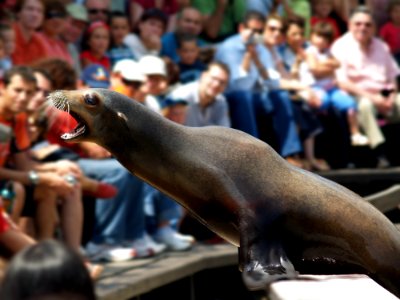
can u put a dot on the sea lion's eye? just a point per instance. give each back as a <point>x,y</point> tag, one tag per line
<point>91,99</point>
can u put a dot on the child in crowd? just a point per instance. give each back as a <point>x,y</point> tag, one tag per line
<point>190,66</point>
<point>322,12</point>
<point>322,66</point>
<point>390,31</point>
<point>146,40</point>
<point>119,29</point>
<point>96,40</point>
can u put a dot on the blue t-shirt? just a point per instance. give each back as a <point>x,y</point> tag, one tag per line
<point>189,73</point>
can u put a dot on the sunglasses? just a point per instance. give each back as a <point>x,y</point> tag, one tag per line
<point>274,28</point>
<point>98,11</point>
<point>55,14</point>
<point>365,24</point>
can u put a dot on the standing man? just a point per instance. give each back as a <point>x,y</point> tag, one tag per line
<point>368,71</point>
<point>207,104</point>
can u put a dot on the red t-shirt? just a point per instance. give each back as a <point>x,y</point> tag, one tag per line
<point>104,61</point>
<point>26,52</point>
<point>14,137</point>
<point>390,33</point>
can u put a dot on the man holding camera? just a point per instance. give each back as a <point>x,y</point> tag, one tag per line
<point>254,93</point>
<point>369,72</point>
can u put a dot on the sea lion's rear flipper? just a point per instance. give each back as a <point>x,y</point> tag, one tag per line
<point>264,263</point>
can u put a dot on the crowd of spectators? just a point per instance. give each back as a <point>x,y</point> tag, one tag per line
<point>277,70</point>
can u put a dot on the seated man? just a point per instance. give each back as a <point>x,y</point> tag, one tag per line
<point>368,71</point>
<point>46,184</point>
<point>206,103</point>
<point>254,93</point>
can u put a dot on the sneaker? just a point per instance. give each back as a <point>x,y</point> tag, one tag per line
<point>108,253</point>
<point>359,139</point>
<point>146,247</point>
<point>174,240</point>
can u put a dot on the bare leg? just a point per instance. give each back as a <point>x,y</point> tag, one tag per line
<point>15,240</point>
<point>46,213</point>
<point>72,218</point>
<point>19,201</point>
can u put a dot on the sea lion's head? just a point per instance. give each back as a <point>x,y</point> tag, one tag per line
<point>92,110</point>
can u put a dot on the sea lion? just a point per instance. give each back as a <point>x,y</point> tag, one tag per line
<point>285,220</point>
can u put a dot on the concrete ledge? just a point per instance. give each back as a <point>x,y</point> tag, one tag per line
<point>387,199</point>
<point>362,175</point>
<point>139,276</point>
<point>343,287</point>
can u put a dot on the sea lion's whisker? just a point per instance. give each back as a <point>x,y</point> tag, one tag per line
<point>59,100</point>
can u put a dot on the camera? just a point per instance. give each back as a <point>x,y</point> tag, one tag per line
<point>386,92</point>
<point>254,38</point>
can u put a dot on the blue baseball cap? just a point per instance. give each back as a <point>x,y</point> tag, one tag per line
<point>96,76</point>
<point>171,101</point>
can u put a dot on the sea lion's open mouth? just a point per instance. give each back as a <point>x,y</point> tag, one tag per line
<point>79,129</point>
<point>61,102</point>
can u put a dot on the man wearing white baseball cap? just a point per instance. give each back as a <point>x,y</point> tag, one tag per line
<point>155,69</point>
<point>128,78</point>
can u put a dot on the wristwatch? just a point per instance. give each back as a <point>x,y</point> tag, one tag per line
<point>33,177</point>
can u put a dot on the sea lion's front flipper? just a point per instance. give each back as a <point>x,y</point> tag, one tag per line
<point>264,262</point>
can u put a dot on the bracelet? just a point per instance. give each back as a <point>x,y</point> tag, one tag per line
<point>33,177</point>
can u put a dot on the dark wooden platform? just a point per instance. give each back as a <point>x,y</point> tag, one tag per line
<point>137,278</point>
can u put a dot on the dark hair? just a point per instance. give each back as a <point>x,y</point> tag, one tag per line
<point>219,64</point>
<point>392,4</point>
<point>7,17</point>
<point>293,20</point>
<point>88,32</point>
<point>154,13</point>
<point>117,14</point>
<point>325,30</point>
<point>184,8</point>
<point>5,27</point>
<point>24,71</point>
<point>47,268</point>
<point>54,8</point>
<point>181,38</point>
<point>63,75</point>
<point>45,73</point>
<point>252,15</point>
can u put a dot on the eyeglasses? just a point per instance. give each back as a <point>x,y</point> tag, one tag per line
<point>274,28</point>
<point>55,14</point>
<point>98,11</point>
<point>365,24</point>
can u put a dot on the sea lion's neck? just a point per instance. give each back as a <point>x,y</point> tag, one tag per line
<point>154,144</point>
